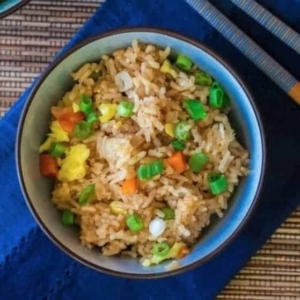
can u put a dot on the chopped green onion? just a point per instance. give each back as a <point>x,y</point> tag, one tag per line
<point>87,194</point>
<point>169,213</point>
<point>182,131</point>
<point>161,249</point>
<point>197,161</point>
<point>183,63</point>
<point>85,104</point>
<point>217,97</point>
<point>177,145</point>
<point>68,217</point>
<point>150,170</point>
<point>125,109</point>
<point>195,109</point>
<point>57,149</point>
<point>218,183</point>
<point>92,117</point>
<point>203,78</point>
<point>83,130</point>
<point>135,223</point>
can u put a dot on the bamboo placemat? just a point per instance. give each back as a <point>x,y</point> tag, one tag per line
<point>29,39</point>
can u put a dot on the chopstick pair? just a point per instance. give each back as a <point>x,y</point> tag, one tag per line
<point>248,47</point>
<point>282,31</point>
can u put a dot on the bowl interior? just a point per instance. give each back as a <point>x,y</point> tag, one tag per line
<point>34,127</point>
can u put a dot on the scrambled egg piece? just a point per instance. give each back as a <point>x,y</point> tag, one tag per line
<point>57,135</point>
<point>46,145</point>
<point>73,167</point>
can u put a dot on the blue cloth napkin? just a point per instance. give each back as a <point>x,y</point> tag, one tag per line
<point>31,267</point>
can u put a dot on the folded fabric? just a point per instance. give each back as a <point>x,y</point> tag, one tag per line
<point>31,267</point>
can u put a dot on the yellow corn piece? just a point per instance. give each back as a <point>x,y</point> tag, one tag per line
<point>46,145</point>
<point>169,129</point>
<point>75,107</point>
<point>167,68</point>
<point>108,111</point>
<point>117,207</point>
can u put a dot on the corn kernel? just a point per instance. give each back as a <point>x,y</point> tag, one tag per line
<point>167,68</point>
<point>169,129</point>
<point>108,111</point>
<point>117,207</point>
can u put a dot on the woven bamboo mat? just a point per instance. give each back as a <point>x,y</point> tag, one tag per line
<point>29,39</point>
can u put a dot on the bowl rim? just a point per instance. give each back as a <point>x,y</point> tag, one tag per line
<point>40,222</point>
<point>13,9</point>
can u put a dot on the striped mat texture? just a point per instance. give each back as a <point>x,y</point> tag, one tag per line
<point>28,41</point>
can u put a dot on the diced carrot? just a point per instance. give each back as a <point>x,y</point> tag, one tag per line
<point>130,186</point>
<point>48,165</point>
<point>75,117</point>
<point>67,113</point>
<point>66,117</point>
<point>60,112</point>
<point>67,125</point>
<point>183,251</point>
<point>177,162</point>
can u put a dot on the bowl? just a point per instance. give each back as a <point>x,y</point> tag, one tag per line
<point>33,128</point>
<point>8,7</point>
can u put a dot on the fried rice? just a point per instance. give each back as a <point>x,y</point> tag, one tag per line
<point>144,75</point>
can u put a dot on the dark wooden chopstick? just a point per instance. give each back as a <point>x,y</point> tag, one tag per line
<point>273,24</point>
<point>248,47</point>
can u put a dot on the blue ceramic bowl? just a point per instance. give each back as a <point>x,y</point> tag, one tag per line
<point>7,7</point>
<point>34,126</point>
